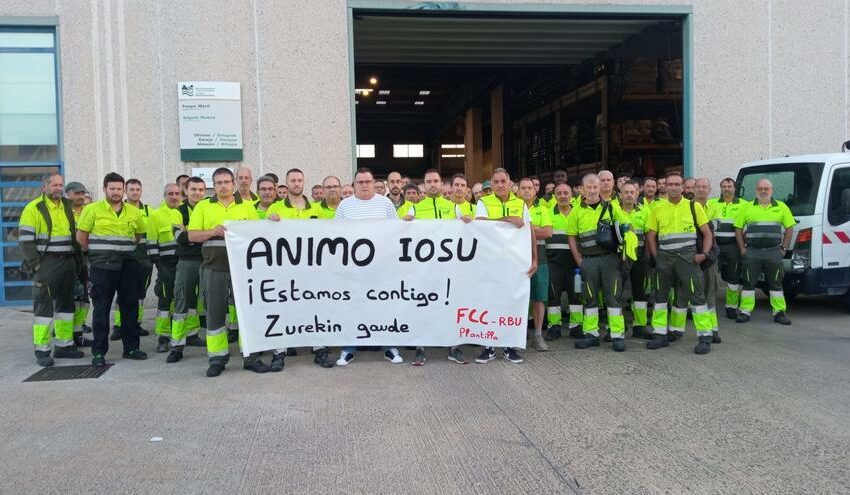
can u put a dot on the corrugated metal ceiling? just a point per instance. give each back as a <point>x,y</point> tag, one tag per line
<point>486,41</point>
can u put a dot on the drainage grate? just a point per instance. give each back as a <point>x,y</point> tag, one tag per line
<point>75,372</point>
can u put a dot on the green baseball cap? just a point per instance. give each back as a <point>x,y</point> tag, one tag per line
<point>75,187</point>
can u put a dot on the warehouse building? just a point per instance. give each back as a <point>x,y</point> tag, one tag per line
<point>642,87</point>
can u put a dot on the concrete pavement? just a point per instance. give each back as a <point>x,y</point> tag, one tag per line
<point>765,412</point>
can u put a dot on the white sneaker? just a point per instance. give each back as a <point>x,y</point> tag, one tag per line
<point>345,358</point>
<point>393,356</point>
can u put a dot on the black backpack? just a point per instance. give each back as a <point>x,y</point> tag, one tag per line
<point>711,255</point>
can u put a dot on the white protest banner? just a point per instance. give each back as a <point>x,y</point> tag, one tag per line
<point>302,283</point>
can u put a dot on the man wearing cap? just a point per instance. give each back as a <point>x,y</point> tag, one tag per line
<point>111,230</point>
<point>47,230</point>
<point>486,189</point>
<point>76,194</point>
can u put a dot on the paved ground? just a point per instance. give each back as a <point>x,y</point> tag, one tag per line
<point>765,412</point>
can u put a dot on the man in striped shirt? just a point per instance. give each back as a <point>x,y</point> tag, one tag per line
<point>366,205</point>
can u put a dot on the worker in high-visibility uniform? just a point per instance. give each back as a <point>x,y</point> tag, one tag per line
<point>638,270</point>
<point>145,253</point>
<point>501,205</point>
<point>460,190</point>
<point>562,269</point>
<point>702,189</point>
<point>600,267</point>
<point>725,211</point>
<point>111,230</point>
<point>763,233</point>
<point>185,319</point>
<point>436,207</point>
<point>671,241</point>
<point>267,192</point>
<point>76,192</point>
<point>296,206</point>
<point>206,226</point>
<point>410,194</point>
<point>541,225</point>
<point>46,235</point>
<point>333,188</point>
<point>163,221</point>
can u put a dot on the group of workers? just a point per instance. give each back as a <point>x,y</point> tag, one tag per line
<point>657,247</point>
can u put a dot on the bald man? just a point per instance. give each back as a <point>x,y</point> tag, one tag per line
<point>763,233</point>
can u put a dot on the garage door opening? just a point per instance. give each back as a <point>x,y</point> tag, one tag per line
<point>469,92</point>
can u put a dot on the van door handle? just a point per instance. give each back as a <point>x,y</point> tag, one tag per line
<point>832,263</point>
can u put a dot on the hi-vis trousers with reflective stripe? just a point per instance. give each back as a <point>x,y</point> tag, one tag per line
<point>164,289</point>
<point>754,263</point>
<point>185,320</point>
<point>729,262</point>
<point>680,272</point>
<point>602,273</point>
<point>216,291</point>
<point>53,302</point>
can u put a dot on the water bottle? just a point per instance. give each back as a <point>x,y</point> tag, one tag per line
<point>577,280</point>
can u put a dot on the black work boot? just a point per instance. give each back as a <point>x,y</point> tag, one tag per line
<point>576,332</point>
<point>715,337</point>
<point>232,336</point>
<point>742,318</point>
<point>587,342</point>
<point>162,343</point>
<point>116,333</point>
<point>142,331</point>
<point>42,358</point>
<point>215,369</point>
<point>639,332</point>
<point>195,341</point>
<point>781,318</point>
<point>69,352</point>
<point>731,313</point>
<point>256,365</point>
<point>291,352</point>
<point>552,333</point>
<point>704,346</point>
<point>175,355</point>
<point>323,358</point>
<point>619,345</point>
<point>277,362</point>
<point>658,341</point>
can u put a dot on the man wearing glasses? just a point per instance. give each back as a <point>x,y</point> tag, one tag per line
<point>366,205</point>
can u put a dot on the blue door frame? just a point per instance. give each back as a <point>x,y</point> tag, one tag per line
<point>29,25</point>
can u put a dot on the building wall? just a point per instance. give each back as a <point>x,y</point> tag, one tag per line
<point>770,78</point>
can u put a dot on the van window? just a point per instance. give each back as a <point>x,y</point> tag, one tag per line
<point>795,184</point>
<point>838,206</point>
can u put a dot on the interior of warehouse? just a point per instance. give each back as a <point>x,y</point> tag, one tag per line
<point>470,92</point>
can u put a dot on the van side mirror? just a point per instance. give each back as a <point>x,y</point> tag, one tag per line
<point>845,146</point>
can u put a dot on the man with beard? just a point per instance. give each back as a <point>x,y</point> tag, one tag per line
<point>46,235</point>
<point>111,230</point>
<point>395,184</point>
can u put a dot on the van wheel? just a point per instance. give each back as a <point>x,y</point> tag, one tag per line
<point>847,301</point>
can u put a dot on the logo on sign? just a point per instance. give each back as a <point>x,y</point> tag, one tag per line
<point>187,90</point>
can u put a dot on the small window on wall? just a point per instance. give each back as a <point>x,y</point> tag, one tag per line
<point>365,151</point>
<point>408,151</point>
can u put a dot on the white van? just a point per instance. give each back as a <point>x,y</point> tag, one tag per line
<point>817,190</point>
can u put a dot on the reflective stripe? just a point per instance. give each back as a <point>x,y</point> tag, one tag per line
<point>763,235</point>
<point>702,308</point>
<point>575,308</point>
<point>559,232</point>
<point>42,320</point>
<point>553,310</point>
<point>640,304</point>
<point>671,242</point>
<point>218,331</point>
<point>541,242</point>
<point>110,238</point>
<point>733,287</point>
<point>615,312</point>
<point>111,247</point>
<point>591,311</point>
<point>776,294</point>
<point>660,307</point>
<point>214,243</point>
<point>58,249</point>
<point>558,246</point>
<point>23,237</point>
<point>26,228</point>
<point>722,234</point>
